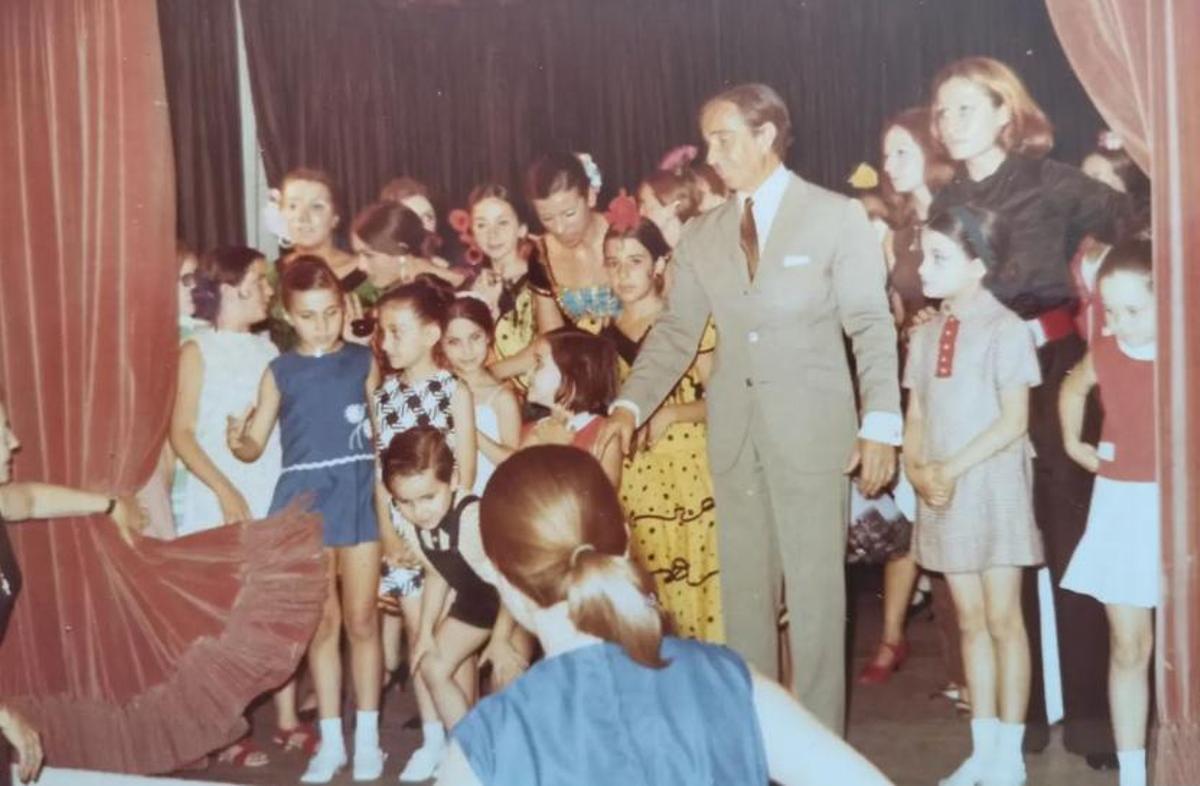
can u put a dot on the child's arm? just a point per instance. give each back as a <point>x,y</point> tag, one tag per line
<point>1072,401</point>
<point>433,598</point>
<point>247,435</point>
<point>183,437</point>
<point>1012,424</point>
<point>513,365</point>
<point>611,460</point>
<point>546,314</point>
<point>507,663</point>
<point>21,501</point>
<point>508,415</point>
<point>462,408</point>
<point>913,455</point>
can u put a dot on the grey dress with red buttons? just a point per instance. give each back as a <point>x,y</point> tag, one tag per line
<point>958,366</point>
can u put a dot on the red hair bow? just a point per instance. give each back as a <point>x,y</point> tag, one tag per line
<point>622,213</point>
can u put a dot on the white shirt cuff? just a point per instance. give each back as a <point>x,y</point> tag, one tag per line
<point>885,427</point>
<point>626,404</point>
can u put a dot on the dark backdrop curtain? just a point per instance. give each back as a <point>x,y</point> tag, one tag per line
<point>456,94</point>
<point>199,44</point>
<point>136,659</point>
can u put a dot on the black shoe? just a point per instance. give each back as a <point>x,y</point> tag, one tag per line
<point>1101,761</point>
<point>922,605</point>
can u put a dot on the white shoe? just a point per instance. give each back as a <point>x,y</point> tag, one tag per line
<point>969,773</point>
<point>422,766</point>
<point>368,765</point>
<point>322,768</point>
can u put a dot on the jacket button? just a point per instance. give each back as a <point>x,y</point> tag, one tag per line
<point>749,382</point>
<point>752,337</point>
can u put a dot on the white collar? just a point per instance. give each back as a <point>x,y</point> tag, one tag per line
<point>1144,352</point>
<point>769,190</point>
<point>580,420</point>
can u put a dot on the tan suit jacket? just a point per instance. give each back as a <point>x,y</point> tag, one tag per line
<point>780,346</point>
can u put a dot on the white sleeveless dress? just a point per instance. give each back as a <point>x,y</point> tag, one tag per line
<point>486,421</point>
<point>233,368</point>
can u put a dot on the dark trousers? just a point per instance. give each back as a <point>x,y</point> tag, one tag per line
<point>1061,495</point>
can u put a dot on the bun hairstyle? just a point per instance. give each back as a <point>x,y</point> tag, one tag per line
<point>313,175</point>
<point>588,364</point>
<point>555,172</point>
<point>401,188</point>
<point>469,307</point>
<point>304,273</point>
<point>429,297</point>
<point>415,450</point>
<point>225,265</point>
<point>982,234</point>
<point>1132,255</point>
<point>391,228</point>
<point>552,524</point>
<point>939,169</point>
<point>1137,185</point>
<point>1029,132</point>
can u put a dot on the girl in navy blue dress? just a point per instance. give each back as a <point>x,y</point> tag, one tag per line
<point>317,392</point>
<point>615,701</point>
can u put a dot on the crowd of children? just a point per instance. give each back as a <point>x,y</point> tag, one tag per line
<point>398,382</point>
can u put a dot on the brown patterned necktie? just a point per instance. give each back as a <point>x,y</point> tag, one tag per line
<point>749,237</point>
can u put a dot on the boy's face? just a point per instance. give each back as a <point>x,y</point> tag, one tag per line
<point>422,499</point>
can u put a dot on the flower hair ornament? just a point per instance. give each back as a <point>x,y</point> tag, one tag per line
<point>864,177</point>
<point>1110,141</point>
<point>623,214</point>
<point>460,222</point>
<point>595,179</point>
<point>679,158</point>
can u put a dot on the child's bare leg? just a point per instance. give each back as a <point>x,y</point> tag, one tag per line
<point>1131,632</point>
<point>456,641</point>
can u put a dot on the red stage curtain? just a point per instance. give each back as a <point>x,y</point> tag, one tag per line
<point>1138,60</point>
<point>127,659</point>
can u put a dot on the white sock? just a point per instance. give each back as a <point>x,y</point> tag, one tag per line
<point>366,730</point>
<point>1008,742</point>
<point>435,735</point>
<point>983,737</point>
<point>1133,767</point>
<point>332,741</point>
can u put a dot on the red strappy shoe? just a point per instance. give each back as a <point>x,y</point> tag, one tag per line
<point>881,668</point>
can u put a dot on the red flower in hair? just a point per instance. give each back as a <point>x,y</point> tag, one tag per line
<point>460,220</point>
<point>474,255</point>
<point>622,213</point>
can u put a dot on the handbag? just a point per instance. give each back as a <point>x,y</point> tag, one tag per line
<point>878,531</point>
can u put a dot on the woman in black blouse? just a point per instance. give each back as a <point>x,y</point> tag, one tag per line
<point>19,501</point>
<point>999,137</point>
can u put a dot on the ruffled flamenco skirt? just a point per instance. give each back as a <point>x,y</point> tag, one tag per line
<point>142,660</point>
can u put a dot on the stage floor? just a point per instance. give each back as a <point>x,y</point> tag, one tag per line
<point>914,739</point>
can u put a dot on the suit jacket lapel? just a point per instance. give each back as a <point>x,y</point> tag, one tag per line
<point>790,210</point>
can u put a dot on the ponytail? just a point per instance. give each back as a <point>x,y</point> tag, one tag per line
<point>609,597</point>
<point>552,524</point>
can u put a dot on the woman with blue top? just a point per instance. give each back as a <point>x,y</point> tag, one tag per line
<point>615,701</point>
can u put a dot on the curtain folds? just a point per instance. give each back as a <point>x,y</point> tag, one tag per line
<point>1138,60</point>
<point>199,45</point>
<point>127,659</point>
<point>458,94</point>
<point>1106,42</point>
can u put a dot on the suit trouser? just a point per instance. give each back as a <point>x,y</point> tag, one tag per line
<point>774,523</point>
<point>1061,498</point>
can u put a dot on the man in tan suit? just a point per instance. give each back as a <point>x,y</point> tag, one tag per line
<point>784,268</point>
